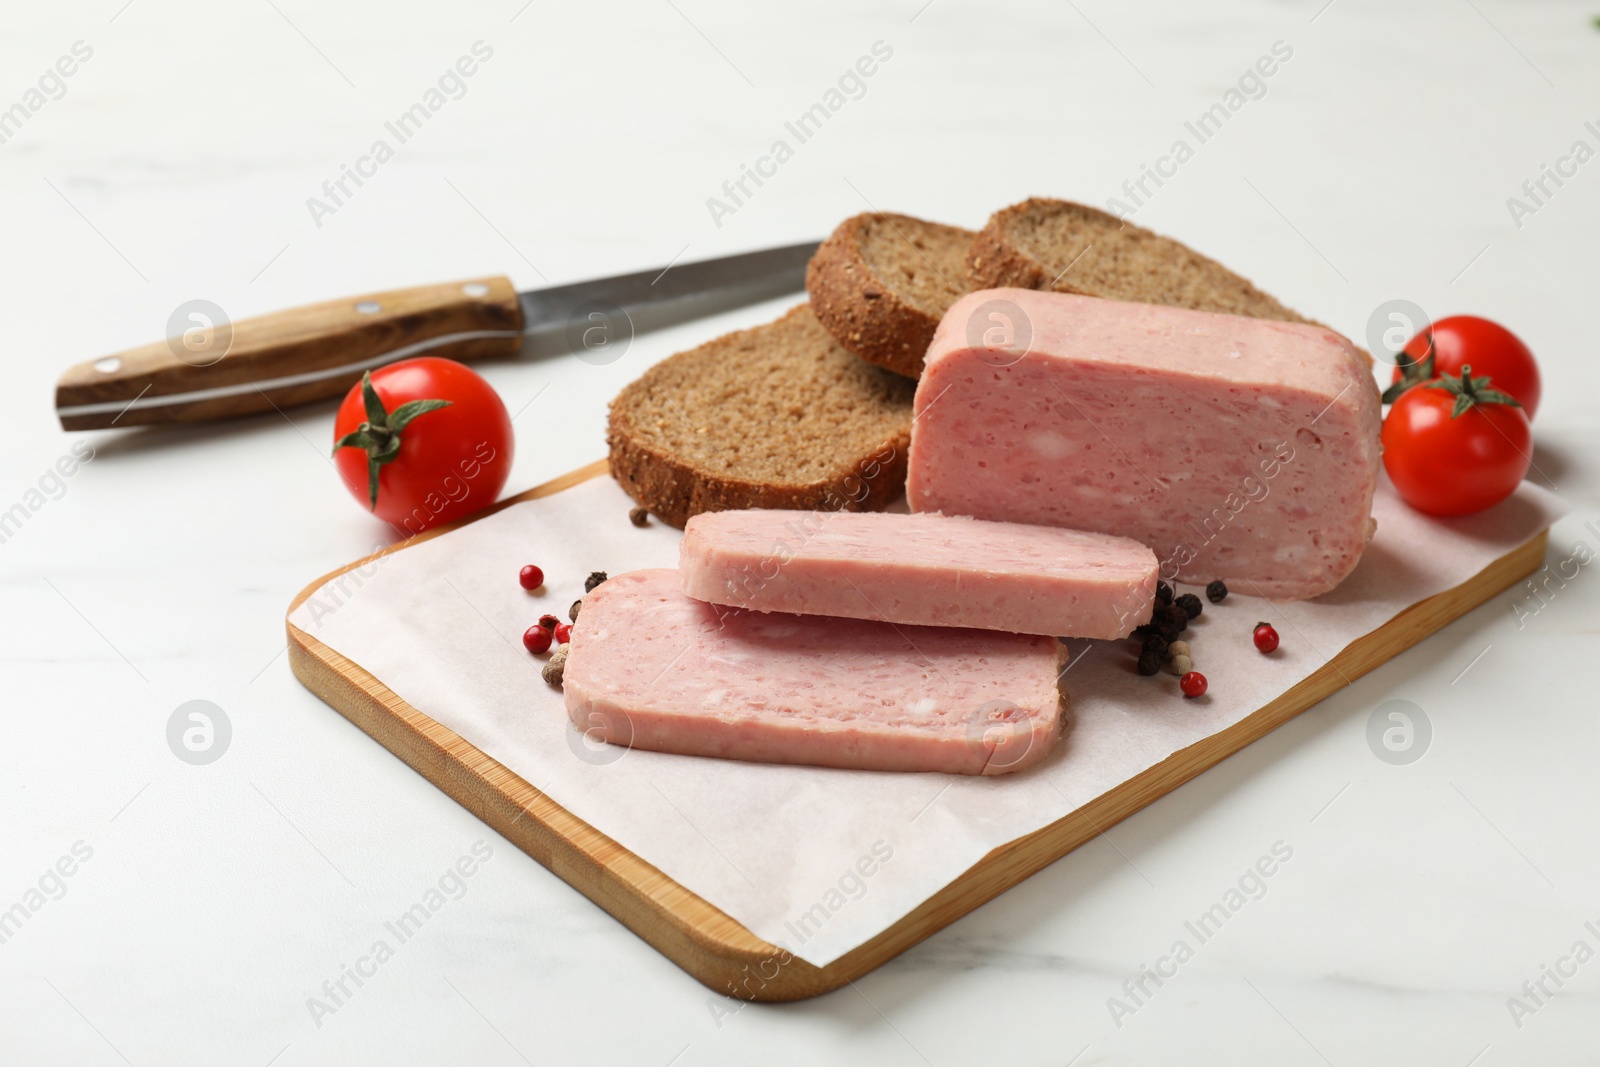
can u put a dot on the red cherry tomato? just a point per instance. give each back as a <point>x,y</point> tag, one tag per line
<point>450,461</point>
<point>1491,350</point>
<point>1454,464</point>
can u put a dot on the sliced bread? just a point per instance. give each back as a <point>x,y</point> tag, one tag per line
<point>881,283</point>
<point>1072,248</point>
<point>778,416</point>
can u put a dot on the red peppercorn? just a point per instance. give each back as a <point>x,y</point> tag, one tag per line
<point>1266,638</point>
<point>1193,684</point>
<point>536,639</point>
<point>563,632</point>
<point>549,622</point>
<point>531,577</point>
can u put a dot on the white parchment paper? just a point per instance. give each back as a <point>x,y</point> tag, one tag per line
<point>813,859</point>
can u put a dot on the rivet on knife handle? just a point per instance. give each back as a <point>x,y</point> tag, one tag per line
<point>218,370</point>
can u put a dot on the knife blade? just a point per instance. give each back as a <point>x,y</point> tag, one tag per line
<point>209,368</point>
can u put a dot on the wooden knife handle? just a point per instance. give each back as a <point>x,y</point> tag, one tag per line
<point>218,370</point>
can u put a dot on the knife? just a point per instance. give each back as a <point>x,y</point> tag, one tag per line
<point>215,369</point>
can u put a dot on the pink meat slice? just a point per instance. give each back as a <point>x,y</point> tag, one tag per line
<point>1236,448</point>
<point>651,668</point>
<point>923,570</point>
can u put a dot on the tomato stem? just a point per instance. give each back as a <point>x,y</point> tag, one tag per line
<point>379,435</point>
<point>1413,372</point>
<point>1472,392</point>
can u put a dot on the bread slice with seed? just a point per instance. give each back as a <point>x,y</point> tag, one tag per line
<point>775,417</point>
<point>881,283</point>
<point>1072,248</point>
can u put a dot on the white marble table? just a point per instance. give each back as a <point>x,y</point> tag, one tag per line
<point>207,905</point>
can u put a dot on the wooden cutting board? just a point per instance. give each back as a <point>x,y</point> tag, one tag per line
<point>703,940</point>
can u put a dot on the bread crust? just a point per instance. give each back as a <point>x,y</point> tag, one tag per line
<point>864,313</point>
<point>674,487</point>
<point>996,262</point>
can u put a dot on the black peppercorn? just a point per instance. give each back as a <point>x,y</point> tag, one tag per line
<point>572,612</point>
<point>593,580</point>
<point>1149,662</point>
<point>639,517</point>
<point>1163,593</point>
<point>1156,642</point>
<point>1190,604</point>
<point>1217,592</point>
<point>1176,617</point>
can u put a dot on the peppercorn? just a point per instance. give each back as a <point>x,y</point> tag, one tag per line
<point>572,612</point>
<point>1217,591</point>
<point>1180,665</point>
<point>1156,642</point>
<point>1177,617</point>
<point>1149,661</point>
<point>1193,684</point>
<point>1265,637</point>
<point>639,517</point>
<point>1144,630</point>
<point>1178,648</point>
<point>548,621</point>
<point>536,639</point>
<point>555,667</point>
<point>1163,593</point>
<point>594,579</point>
<point>1190,604</point>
